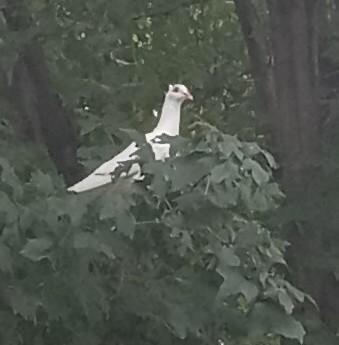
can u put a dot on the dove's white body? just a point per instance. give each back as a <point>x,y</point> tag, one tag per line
<point>169,123</point>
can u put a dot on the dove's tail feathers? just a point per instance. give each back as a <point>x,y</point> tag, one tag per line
<point>103,175</point>
<point>91,182</point>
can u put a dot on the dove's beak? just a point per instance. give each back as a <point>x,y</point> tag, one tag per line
<point>189,96</point>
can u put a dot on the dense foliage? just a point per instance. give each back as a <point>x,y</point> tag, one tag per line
<point>188,255</point>
<point>181,254</point>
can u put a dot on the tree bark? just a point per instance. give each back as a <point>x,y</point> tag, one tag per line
<point>284,63</point>
<point>295,75</point>
<point>40,117</point>
<point>292,41</point>
<point>260,55</point>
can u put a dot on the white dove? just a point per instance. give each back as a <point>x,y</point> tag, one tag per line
<point>169,124</point>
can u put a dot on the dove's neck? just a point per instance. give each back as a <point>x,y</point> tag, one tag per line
<point>169,121</point>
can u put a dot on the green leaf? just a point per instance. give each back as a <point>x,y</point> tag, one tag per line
<point>187,171</point>
<point>251,149</point>
<point>89,123</point>
<point>125,223</point>
<point>273,190</point>
<point>85,240</point>
<point>218,173</point>
<point>276,255</point>
<point>37,5</point>
<point>36,249</point>
<point>43,182</point>
<point>179,143</point>
<point>186,242</point>
<point>227,257</point>
<point>120,200</point>
<point>259,175</point>
<point>248,236</point>
<point>285,301</point>
<point>229,146</point>
<point>184,238</point>
<point>159,171</point>
<point>234,284</point>
<point>9,177</point>
<point>6,262</point>
<point>266,318</point>
<point>8,208</point>
<point>76,209</point>
<point>189,201</point>
<point>270,159</point>
<point>9,324</point>
<point>297,294</point>
<point>178,320</point>
<point>134,135</point>
<point>107,210</point>
<point>259,202</point>
<point>245,187</point>
<point>23,303</point>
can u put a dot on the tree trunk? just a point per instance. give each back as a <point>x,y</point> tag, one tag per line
<point>40,117</point>
<point>289,89</point>
<point>296,122</point>
<point>260,55</point>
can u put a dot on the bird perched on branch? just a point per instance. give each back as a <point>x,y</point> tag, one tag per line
<point>168,124</point>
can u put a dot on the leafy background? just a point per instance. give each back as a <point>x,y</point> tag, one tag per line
<point>195,253</point>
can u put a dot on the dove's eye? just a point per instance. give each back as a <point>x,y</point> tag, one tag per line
<point>175,89</point>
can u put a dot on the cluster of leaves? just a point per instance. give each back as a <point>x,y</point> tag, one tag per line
<point>182,254</point>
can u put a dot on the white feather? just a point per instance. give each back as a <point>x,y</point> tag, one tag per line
<point>169,123</point>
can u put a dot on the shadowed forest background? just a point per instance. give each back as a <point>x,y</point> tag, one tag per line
<point>222,244</point>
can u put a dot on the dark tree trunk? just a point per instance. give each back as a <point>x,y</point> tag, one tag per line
<point>295,73</point>
<point>284,62</point>
<point>289,91</point>
<point>260,56</point>
<point>45,119</point>
<point>40,116</point>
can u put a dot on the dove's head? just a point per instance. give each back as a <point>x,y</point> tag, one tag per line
<point>179,92</point>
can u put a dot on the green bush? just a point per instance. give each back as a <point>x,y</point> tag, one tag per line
<point>183,254</point>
